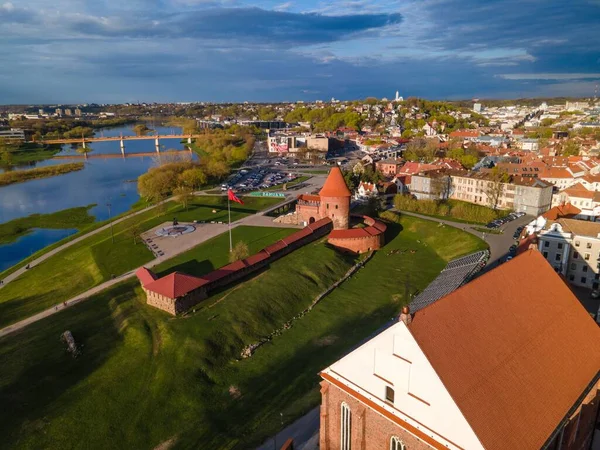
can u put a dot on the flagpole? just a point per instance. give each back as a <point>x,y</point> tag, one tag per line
<point>229,210</point>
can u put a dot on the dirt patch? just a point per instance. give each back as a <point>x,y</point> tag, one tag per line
<point>166,445</point>
<point>326,341</point>
<point>235,392</point>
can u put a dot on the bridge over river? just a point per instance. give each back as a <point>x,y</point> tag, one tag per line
<point>90,140</point>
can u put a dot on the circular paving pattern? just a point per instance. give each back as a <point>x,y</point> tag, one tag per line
<point>175,230</point>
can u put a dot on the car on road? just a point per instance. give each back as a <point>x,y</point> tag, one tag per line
<point>512,250</point>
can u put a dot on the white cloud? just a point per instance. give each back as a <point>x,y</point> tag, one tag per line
<point>550,76</point>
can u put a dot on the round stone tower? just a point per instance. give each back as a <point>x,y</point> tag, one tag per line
<point>335,200</point>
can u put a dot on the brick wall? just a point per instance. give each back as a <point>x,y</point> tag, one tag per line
<point>370,430</point>
<point>358,245</point>
<point>337,209</point>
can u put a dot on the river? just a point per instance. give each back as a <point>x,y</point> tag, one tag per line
<point>102,181</point>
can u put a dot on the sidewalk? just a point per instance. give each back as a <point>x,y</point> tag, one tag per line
<point>303,432</point>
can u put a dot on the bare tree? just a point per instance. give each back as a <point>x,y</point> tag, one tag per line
<point>441,187</point>
<point>495,187</point>
<point>134,231</point>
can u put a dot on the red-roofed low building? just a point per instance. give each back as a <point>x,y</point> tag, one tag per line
<point>508,361</point>
<point>466,135</point>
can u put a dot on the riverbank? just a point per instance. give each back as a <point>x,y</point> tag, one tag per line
<point>30,152</point>
<point>78,218</point>
<point>19,176</point>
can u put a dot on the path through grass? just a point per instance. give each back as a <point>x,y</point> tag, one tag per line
<point>145,377</point>
<point>95,259</point>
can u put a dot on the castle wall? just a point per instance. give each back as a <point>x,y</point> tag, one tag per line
<point>337,209</point>
<point>358,245</point>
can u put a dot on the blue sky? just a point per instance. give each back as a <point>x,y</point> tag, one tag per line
<point>69,51</point>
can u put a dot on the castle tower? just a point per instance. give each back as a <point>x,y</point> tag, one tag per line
<point>335,199</point>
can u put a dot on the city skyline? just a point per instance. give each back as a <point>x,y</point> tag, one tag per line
<point>188,50</point>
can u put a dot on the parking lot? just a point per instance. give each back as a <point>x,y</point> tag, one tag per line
<point>258,178</point>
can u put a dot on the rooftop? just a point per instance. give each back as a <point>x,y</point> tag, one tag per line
<point>510,329</point>
<point>335,185</point>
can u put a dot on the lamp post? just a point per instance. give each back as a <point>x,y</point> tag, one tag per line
<point>112,235</point>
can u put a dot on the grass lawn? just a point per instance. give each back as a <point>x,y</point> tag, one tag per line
<point>19,176</point>
<point>30,152</point>
<point>144,377</point>
<point>93,260</point>
<point>67,218</point>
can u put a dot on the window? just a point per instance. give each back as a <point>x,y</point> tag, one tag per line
<point>588,245</point>
<point>571,277</point>
<point>595,286</point>
<point>573,266</point>
<point>583,280</point>
<point>586,257</point>
<point>560,246</point>
<point>585,268</point>
<point>546,244</point>
<point>396,444</point>
<point>336,206</point>
<point>546,255</point>
<point>389,394</point>
<point>576,243</point>
<point>575,255</point>
<point>346,428</point>
<point>327,205</point>
<point>557,257</point>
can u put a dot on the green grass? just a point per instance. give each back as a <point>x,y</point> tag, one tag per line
<point>19,176</point>
<point>144,377</point>
<point>95,259</point>
<point>30,152</point>
<point>78,218</point>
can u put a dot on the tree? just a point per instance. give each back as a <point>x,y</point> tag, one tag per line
<point>441,187</point>
<point>193,178</point>
<point>571,148</point>
<point>7,148</point>
<point>134,231</point>
<point>494,187</point>
<point>421,150</point>
<point>374,205</point>
<point>240,251</point>
<point>351,180</point>
<point>184,195</point>
<point>155,185</point>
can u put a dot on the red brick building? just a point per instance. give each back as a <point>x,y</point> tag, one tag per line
<point>509,361</point>
<point>333,202</point>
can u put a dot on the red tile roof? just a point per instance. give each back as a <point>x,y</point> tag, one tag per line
<point>352,233</point>
<point>514,348</point>
<point>566,210</point>
<point>274,248</point>
<point>464,133</point>
<point>297,236</point>
<point>175,285</point>
<point>309,198</point>
<point>257,257</point>
<point>319,224</point>
<point>335,185</point>
<point>146,276</point>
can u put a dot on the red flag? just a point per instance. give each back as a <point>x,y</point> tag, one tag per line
<point>233,197</point>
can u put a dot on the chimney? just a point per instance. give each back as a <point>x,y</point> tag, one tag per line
<point>405,316</point>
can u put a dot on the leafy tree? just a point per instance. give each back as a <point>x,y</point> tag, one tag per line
<point>239,251</point>
<point>571,148</point>
<point>184,195</point>
<point>351,180</point>
<point>193,178</point>
<point>422,150</point>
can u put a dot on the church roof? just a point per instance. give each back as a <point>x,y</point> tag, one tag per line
<point>335,185</point>
<point>514,348</point>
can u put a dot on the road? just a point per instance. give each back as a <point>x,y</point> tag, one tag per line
<point>499,243</point>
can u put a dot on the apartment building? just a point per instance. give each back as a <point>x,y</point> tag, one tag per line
<point>572,247</point>
<point>522,194</point>
<point>587,200</point>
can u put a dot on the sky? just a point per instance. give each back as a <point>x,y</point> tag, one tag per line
<point>115,51</point>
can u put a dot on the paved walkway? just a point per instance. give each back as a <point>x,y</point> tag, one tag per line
<point>302,430</point>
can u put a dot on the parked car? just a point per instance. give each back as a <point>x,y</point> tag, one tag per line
<point>512,250</point>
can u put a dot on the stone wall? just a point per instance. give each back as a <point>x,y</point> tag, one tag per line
<point>160,301</point>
